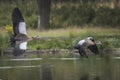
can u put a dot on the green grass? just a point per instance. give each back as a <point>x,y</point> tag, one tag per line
<point>108,36</point>
<point>4,42</point>
<point>66,32</point>
<point>64,38</point>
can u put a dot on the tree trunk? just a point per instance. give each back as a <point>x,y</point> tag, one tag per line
<point>44,14</point>
<point>114,2</point>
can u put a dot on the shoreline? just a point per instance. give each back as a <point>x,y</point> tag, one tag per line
<point>47,52</point>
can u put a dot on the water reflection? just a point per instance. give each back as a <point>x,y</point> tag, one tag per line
<point>46,72</point>
<point>96,78</point>
<point>84,76</point>
<point>58,69</point>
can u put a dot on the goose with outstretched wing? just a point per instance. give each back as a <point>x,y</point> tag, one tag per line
<point>89,43</point>
<point>19,38</point>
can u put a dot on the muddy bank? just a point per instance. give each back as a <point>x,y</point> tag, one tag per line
<point>9,52</point>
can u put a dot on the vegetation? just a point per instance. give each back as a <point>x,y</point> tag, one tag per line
<point>78,20</point>
<point>61,15</point>
<point>80,14</point>
<point>75,22</point>
<point>4,42</point>
<point>64,38</point>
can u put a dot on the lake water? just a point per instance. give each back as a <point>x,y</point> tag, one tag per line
<point>93,68</point>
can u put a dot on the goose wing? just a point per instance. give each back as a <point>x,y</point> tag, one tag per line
<point>94,49</point>
<point>19,26</point>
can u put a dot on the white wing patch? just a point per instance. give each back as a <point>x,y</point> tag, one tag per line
<point>23,45</point>
<point>89,42</point>
<point>22,28</point>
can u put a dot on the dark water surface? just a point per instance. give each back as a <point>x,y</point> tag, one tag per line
<point>60,69</point>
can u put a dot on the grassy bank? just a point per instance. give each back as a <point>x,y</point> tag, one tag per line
<point>66,37</point>
<point>63,38</point>
<point>66,32</point>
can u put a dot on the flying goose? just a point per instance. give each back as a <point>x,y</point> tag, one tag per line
<point>19,38</point>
